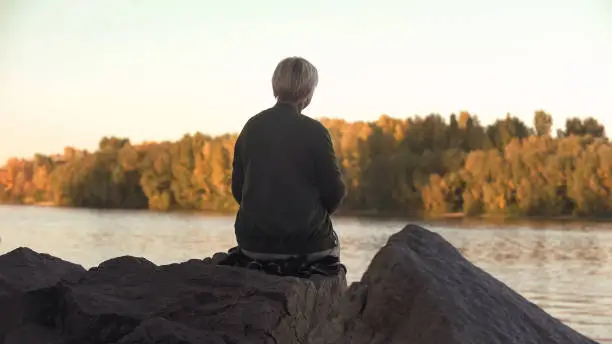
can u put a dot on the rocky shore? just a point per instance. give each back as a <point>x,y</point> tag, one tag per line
<point>418,289</point>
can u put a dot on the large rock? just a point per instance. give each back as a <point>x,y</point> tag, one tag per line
<point>417,290</point>
<point>420,290</point>
<point>22,272</point>
<point>130,300</point>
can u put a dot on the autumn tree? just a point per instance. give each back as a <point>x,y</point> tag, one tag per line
<point>414,166</point>
<point>542,123</point>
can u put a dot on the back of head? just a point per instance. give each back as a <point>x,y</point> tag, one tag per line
<point>294,81</point>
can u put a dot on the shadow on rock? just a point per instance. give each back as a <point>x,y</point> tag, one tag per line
<point>25,310</point>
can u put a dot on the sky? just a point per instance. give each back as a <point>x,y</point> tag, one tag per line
<point>73,71</point>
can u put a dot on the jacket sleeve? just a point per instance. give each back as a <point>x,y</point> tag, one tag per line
<point>237,171</point>
<point>329,179</point>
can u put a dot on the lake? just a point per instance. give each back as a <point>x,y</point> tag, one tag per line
<point>565,268</point>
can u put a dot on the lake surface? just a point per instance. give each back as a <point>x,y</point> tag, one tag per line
<point>565,269</point>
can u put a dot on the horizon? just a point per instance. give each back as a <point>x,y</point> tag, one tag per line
<point>152,72</point>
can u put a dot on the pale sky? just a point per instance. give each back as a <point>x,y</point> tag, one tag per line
<point>72,71</point>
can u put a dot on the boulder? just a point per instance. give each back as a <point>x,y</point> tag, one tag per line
<point>419,289</point>
<point>22,272</point>
<point>131,300</point>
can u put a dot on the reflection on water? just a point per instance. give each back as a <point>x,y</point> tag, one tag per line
<point>568,273</point>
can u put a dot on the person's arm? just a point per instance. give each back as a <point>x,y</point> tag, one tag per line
<point>237,171</point>
<point>329,179</point>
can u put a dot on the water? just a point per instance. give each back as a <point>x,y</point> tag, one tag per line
<point>566,272</point>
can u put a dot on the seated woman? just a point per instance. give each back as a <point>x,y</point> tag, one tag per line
<point>285,176</point>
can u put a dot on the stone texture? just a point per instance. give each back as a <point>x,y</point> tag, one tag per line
<point>160,330</point>
<point>419,289</point>
<point>131,300</point>
<point>22,272</point>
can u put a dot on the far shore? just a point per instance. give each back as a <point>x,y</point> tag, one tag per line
<point>457,217</point>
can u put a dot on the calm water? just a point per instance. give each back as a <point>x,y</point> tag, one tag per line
<point>567,271</point>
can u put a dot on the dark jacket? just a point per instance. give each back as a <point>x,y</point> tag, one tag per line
<point>287,181</point>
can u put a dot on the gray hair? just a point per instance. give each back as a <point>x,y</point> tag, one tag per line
<point>294,80</point>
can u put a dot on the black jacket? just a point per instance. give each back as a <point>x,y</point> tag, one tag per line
<point>287,181</point>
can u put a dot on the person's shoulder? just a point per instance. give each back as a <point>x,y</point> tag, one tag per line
<point>253,120</point>
<point>260,115</point>
<point>314,125</point>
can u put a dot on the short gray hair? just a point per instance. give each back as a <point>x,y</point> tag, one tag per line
<point>294,80</point>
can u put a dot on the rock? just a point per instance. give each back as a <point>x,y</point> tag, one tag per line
<point>419,289</point>
<point>216,258</point>
<point>23,271</point>
<point>158,330</point>
<point>131,300</point>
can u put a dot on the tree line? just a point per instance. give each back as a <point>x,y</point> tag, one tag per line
<point>415,166</point>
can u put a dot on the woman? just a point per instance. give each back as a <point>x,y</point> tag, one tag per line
<point>285,176</point>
